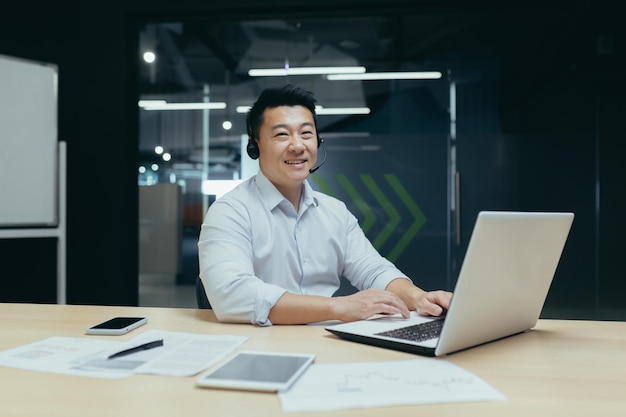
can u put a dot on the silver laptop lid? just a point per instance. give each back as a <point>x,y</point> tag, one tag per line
<point>505,277</point>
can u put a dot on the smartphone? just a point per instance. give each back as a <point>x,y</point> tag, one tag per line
<point>117,326</point>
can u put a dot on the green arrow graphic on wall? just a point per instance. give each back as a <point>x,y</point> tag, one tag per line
<point>369,217</point>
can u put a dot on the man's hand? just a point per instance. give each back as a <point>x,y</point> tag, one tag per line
<point>366,303</point>
<point>426,303</point>
<point>433,303</point>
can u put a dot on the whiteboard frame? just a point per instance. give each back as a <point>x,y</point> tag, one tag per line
<point>59,232</point>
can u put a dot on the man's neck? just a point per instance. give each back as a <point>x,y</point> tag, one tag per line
<point>293,194</point>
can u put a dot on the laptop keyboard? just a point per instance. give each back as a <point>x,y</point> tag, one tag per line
<point>417,332</point>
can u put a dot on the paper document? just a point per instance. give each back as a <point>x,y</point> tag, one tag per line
<point>326,387</point>
<point>182,354</point>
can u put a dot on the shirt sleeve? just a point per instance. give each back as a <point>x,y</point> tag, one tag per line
<point>225,256</point>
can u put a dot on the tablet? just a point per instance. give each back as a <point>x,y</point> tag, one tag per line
<point>257,371</point>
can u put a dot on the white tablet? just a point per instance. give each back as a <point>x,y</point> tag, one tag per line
<point>257,371</point>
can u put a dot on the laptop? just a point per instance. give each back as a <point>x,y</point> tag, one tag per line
<point>501,289</point>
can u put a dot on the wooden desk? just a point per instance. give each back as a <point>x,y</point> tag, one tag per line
<point>561,368</point>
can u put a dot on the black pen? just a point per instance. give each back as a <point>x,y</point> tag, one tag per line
<point>145,346</point>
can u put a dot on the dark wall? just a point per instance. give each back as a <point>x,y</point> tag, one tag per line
<point>97,119</point>
<point>570,147</point>
<point>101,145</point>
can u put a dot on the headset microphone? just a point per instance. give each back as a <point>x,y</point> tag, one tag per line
<point>312,170</point>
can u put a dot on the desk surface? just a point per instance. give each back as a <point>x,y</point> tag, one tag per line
<point>560,368</point>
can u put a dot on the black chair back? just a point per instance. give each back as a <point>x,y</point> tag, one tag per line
<point>202,299</point>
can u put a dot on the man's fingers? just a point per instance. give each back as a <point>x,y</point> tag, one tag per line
<point>435,303</point>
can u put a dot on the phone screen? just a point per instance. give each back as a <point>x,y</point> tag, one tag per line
<point>118,323</point>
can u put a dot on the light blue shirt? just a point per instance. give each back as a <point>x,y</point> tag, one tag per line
<point>254,247</point>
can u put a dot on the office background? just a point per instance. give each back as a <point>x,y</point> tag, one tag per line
<point>538,127</point>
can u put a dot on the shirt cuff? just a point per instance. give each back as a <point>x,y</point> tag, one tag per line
<point>382,281</point>
<point>267,296</point>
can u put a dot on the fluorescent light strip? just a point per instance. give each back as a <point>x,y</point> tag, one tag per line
<point>144,103</point>
<point>163,105</point>
<point>323,111</point>
<point>342,110</point>
<point>274,72</point>
<point>423,75</point>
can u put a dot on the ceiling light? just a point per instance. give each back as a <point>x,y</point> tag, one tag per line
<point>149,57</point>
<point>324,111</point>
<point>182,106</point>
<point>420,75</point>
<point>144,103</point>
<point>275,72</point>
<point>327,111</point>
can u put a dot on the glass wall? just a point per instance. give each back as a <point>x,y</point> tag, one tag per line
<point>383,111</point>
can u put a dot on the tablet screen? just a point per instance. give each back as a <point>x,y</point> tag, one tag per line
<point>255,370</point>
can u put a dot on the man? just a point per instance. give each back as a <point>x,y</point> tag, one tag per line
<point>272,251</point>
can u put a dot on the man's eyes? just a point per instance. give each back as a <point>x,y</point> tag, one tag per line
<point>305,135</point>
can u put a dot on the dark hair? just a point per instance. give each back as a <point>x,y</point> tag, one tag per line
<point>288,95</point>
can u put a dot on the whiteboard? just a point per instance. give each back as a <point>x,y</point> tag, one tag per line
<point>28,143</point>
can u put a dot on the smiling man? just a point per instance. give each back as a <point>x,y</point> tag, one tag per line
<point>273,250</point>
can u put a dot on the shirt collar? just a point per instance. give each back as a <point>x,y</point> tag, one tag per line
<point>272,197</point>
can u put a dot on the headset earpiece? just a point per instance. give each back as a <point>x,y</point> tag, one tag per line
<point>252,148</point>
